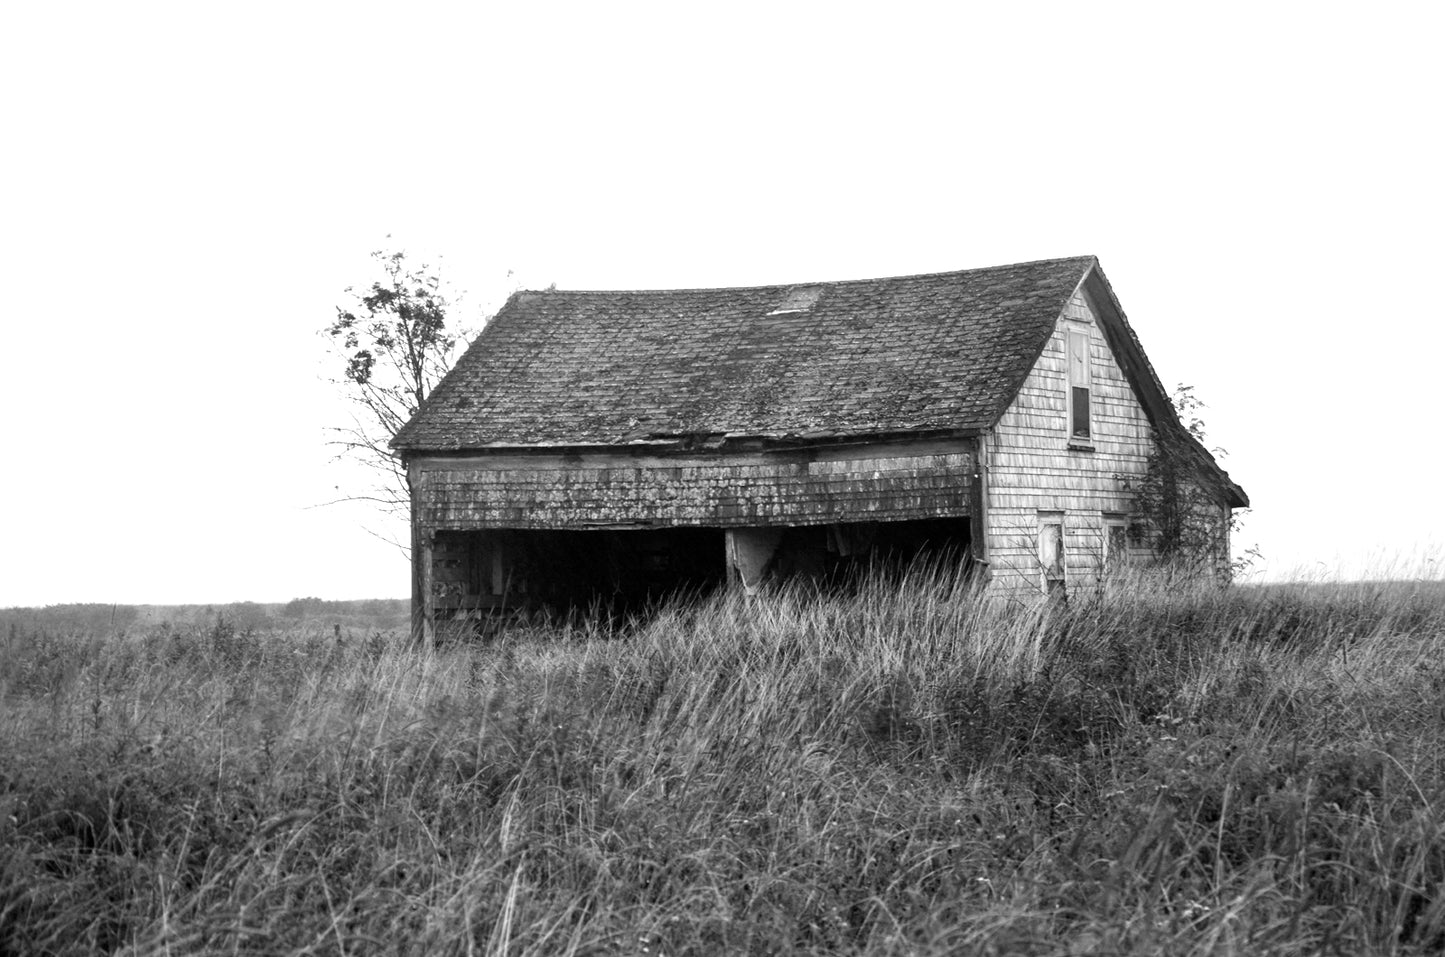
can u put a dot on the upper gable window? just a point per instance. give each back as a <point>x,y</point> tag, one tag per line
<point>1080,386</point>
<point>798,299</point>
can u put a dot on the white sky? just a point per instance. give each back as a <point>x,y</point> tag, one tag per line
<point>188,189</point>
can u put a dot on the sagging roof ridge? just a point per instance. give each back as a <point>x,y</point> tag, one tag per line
<point>673,290</point>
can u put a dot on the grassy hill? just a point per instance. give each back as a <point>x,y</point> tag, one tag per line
<point>904,771</point>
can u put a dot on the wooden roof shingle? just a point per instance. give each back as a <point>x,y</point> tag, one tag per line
<point>944,351</point>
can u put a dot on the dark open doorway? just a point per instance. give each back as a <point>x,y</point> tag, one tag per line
<point>609,571</point>
<point>625,572</point>
<point>837,556</point>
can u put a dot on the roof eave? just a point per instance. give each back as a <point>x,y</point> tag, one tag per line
<point>704,442</point>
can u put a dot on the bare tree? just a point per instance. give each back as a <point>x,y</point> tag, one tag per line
<point>394,344</point>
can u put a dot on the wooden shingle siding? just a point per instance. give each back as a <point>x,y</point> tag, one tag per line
<point>611,490</point>
<point>1033,469</point>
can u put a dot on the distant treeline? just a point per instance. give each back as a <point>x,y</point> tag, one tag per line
<point>95,618</point>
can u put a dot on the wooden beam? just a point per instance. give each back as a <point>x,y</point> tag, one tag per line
<point>543,460</point>
<point>978,503</point>
<point>418,609</point>
<point>422,614</point>
<point>423,557</point>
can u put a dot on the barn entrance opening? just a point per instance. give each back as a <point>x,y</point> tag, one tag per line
<point>625,572</point>
<point>607,571</point>
<point>839,557</point>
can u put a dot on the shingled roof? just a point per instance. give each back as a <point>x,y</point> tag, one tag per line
<point>945,351</point>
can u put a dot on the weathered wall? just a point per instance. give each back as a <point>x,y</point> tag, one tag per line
<point>1034,467</point>
<point>605,489</point>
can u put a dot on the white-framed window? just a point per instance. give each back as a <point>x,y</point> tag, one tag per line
<point>1116,540</point>
<point>1053,562</point>
<point>1080,386</point>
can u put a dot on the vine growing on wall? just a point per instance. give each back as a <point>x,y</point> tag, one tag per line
<point>1181,504</point>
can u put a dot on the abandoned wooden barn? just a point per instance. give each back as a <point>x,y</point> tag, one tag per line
<point>606,446</point>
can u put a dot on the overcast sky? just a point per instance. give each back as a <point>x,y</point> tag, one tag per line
<point>189,188</point>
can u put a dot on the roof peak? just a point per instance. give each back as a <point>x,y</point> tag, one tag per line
<point>791,285</point>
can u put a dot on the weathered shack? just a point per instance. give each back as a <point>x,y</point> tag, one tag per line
<point>612,445</point>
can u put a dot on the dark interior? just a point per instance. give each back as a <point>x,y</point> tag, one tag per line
<point>836,557</point>
<point>616,572</point>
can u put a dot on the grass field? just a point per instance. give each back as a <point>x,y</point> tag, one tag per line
<point>907,771</point>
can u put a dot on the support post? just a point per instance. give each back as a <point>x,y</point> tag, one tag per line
<point>428,591</point>
<point>423,614</point>
<point>978,506</point>
<point>749,550</point>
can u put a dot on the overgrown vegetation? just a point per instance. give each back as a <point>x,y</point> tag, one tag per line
<point>905,771</point>
<point>1180,503</point>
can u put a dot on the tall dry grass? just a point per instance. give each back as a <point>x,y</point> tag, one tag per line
<point>906,770</point>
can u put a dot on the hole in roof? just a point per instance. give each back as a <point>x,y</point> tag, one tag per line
<point>798,299</point>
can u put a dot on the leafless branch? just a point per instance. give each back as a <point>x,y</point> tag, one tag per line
<point>393,345</point>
